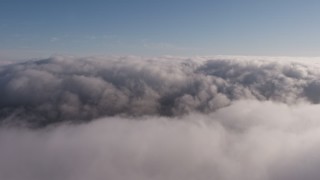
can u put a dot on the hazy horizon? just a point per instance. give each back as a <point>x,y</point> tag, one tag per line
<point>33,29</point>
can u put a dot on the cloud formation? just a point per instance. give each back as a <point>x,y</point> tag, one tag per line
<point>222,118</point>
<point>246,140</point>
<point>65,89</point>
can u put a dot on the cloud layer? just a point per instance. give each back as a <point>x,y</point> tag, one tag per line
<point>222,118</point>
<point>64,89</point>
<point>262,141</point>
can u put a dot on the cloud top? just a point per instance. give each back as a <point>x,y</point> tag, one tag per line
<point>65,89</point>
<point>222,118</point>
<point>264,140</point>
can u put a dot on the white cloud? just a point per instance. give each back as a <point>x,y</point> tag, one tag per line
<point>247,140</point>
<point>223,118</point>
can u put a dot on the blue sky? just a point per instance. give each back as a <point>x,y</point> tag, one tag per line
<point>37,28</point>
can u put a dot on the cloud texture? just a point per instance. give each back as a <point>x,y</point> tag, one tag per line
<point>262,141</point>
<point>68,89</point>
<point>222,118</point>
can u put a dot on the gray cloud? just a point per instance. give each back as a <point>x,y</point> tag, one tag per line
<point>222,118</point>
<point>65,89</point>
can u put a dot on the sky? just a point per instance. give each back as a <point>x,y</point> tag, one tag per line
<point>40,28</point>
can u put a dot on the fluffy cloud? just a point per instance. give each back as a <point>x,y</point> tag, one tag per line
<point>64,89</point>
<point>246,140</point>
<point>222,118</point>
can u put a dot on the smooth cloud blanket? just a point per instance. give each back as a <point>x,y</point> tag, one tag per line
<point>223,118</point>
